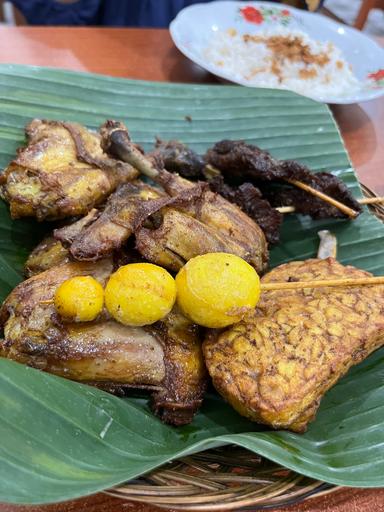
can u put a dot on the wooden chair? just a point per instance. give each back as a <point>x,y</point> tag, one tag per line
<point>365,8</point>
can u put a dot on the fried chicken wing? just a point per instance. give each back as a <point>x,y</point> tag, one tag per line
<point>61,173</point>
<point>164,358</point>
<point>126,208</point>
<point>275,367</point>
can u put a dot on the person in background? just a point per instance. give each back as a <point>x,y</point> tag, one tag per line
<point>118,13</point>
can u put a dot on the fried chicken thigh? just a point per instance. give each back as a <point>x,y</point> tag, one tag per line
<point>275,367</point>
<point>164,358</point>
<point>62,172</point>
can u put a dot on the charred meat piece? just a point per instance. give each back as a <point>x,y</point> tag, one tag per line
<point>164,358</point>
<point>243,162</point>
<point>275,367</point>
<point>306,203</point>
<point>250,200</point>
<point>177,157</point>
<point>232,225</point>
<point>61,173</point>
<point>236,159</point>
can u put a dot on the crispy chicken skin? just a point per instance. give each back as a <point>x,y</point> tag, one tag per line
<point>165,358</point>
<point>48,253</point>
<point>62,172</point>
<point>127,207</point>
<point>241,234</point>
<point>275,367</point>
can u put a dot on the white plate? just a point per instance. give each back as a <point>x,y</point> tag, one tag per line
<point>193,27</point>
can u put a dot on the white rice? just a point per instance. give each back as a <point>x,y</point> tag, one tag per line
<point>251,62</point>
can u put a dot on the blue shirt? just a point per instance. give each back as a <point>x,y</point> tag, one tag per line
<point>117,13</point>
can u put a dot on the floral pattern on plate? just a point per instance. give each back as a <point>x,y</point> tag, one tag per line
<point>193,27</point>
<point>377,77</point>
<point>263,14</point>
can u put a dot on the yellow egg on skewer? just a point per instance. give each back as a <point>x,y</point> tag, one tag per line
<point>79,299</point>
<point>140,294</point>
<point>217,289</point>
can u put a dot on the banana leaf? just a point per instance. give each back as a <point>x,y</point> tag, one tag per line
<point>61,439</point>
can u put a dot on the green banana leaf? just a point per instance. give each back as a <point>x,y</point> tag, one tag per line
<point>61,439</point>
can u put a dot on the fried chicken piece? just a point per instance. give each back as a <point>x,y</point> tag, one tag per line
<point>50,252</point>
<point>179,158</point>
<point>237,233</point>
<point>164,358</point>
<point>69,232</point>
<point>47,254</point>
<point>179,238</point>
<point>126,208</point>
<point>62,172</point>
<point>275,367</point>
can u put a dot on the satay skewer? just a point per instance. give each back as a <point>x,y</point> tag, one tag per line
<point>328,199</point>
<point>364,200</point>
<point>323,283</point>
<point>116,139</point>
<point>300,285</point>
<point>213,171</point>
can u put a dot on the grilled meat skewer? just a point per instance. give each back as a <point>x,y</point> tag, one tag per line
<point>236,159</point>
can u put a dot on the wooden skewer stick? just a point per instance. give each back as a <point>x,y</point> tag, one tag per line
<point>299,285</point>
<point>323,283</point>
<point>342,207</point>
<point>212,171</point>
<point>363,200</point>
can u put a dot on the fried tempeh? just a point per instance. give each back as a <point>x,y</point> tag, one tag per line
<point>275,367</point>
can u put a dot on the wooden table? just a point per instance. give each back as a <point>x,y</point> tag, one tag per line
<point>150,55</point>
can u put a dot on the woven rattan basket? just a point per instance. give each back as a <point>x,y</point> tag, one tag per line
<point>229,478</point>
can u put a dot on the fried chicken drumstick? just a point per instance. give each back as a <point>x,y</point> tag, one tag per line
<point>275,367</point>
<point>61,173</point>
<point>164,358</point>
